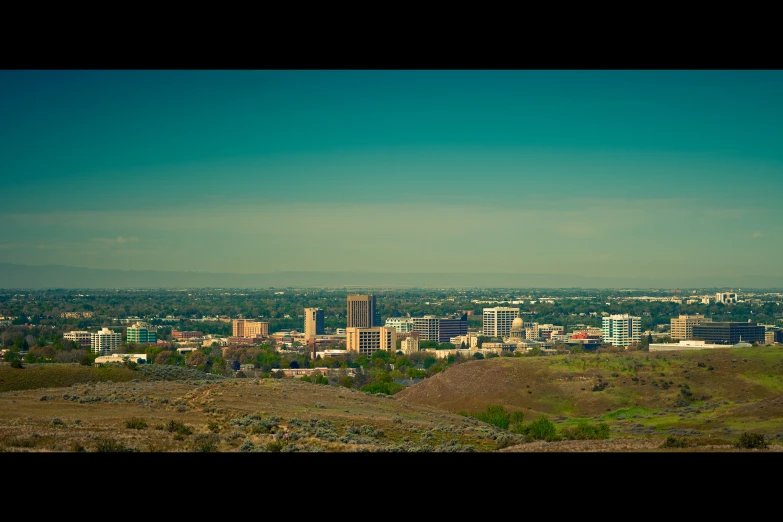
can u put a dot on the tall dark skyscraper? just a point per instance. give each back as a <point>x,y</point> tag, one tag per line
<point>361,311</point>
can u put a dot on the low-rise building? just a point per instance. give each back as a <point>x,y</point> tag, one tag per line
<point>243,341</point>
<point>469,340</point>
<point>692,344</point>
<point>183,336</point>
<point>729,332</point>
<point>81,337</point>
<point>120,358</point>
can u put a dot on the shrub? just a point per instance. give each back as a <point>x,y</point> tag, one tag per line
<point>112,446</point>
<point>178,428</point>
<point>205,443</point>
<point>504,441</point>
<point>587,431</point>
<point>542,429</point>
<point>274,446</point>
<point>496,415</point>
<point>135,423</point>
<point>751,440</point>
<point>674,442</point>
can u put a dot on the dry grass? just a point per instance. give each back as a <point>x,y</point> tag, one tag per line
<point>705,398</point>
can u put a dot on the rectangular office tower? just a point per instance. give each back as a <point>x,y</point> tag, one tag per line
<point>248,328</point>
<point>141,333</point>
<point>497,321</point>
<point>682,327</point>
<point>440,329</point>
<point>366,341</point>
<point>313,322</point>
<point>621,329</point>
<point>729,333</point>
<point>361,311</point>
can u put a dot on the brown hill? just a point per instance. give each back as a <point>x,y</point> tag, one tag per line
<point>705,395</point>
<point>708,398</point>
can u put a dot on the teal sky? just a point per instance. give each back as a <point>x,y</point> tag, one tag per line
<point>595,173</point>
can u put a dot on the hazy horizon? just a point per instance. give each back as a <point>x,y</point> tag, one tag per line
<point>604,175</point>
<point>53,276</point>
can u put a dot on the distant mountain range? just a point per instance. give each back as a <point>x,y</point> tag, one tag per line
<point>14,276</point>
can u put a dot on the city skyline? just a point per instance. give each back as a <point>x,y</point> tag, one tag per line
<point>632,175</point>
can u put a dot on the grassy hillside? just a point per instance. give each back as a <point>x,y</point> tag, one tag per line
<point>712,394</point>
<point>709,398</point>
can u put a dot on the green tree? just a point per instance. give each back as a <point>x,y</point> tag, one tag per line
<point>494,414</point>
<point>542,429</point>
<point>389,388</point>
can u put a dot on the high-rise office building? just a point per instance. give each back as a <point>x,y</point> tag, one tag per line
<point>141,333</point>
<point>367,341</point>
<point>361,311</point>
<point>682,327</point>
<point>498,320</point>
<point>440,329</point>
<point>313,322</point>
<point>621,329</point>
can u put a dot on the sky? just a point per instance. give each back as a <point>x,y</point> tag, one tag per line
<point>626,173</point>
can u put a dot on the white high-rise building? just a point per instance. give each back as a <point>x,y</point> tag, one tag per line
<point>621,329</point>
<point>498,321</point>
<point>105,341</point>
<point>726,297</point>
<point>400,324</point>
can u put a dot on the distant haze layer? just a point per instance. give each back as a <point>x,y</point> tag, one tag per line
<point>42,277</point>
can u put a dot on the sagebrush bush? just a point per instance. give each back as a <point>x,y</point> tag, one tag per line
<point>178,428</point>
<point>674,442</point>
<point>751,440</point>
<point>135,423</point>
<point>112,446</point>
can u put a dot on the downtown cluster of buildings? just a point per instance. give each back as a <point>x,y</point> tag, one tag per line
<point>504,329</point>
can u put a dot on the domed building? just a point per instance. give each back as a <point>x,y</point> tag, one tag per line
<point>517,332</point>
